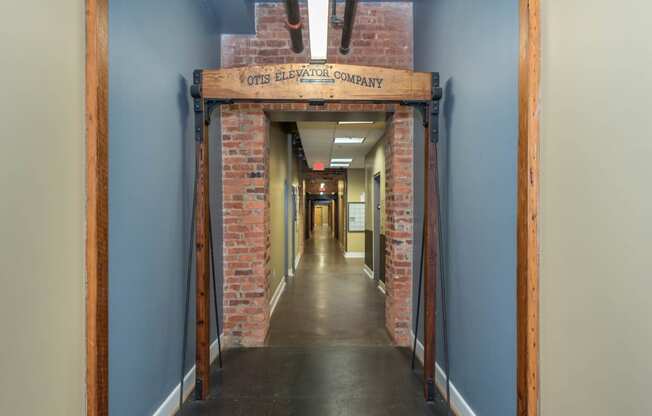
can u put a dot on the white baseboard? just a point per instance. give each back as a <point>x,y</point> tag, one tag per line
<point>170,405</point>
<point>354,254</point>
<point>368,271</point>
<point>277,295</point>
<point>459,405</point>
<point>296,261</point>
<point>381,287</point>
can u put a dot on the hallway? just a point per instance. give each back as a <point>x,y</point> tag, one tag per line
<point>327,352</point>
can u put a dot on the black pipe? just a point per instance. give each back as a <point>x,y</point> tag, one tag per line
<point>294,25</point>
<point>347,29</point>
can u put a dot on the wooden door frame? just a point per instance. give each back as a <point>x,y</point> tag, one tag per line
<point>97,208</point>
<point>528,209</point>
<point>96,245</point>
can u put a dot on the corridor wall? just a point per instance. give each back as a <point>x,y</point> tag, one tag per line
<point>278,168</point>
<point>374,163</point>
<point>595,223</point>
<point>474,46</point>
<point>355,188</point>
<point>42,209</point>
<point>153,48</point>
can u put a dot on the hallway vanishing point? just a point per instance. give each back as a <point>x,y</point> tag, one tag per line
<point>327,352</point>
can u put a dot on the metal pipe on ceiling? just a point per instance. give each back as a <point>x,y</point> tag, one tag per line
<point>294,25</point>
<point>347,29</point>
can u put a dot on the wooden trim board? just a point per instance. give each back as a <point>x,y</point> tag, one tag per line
<point>528,210</point>
<point>97,209</point>
<point>308,82</point>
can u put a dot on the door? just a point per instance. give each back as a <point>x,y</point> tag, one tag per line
<point>376,214</point>
<point>318,217</point>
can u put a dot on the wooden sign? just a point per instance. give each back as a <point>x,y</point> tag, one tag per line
<point>312,82</point>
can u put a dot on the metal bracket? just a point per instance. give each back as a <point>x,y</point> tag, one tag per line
<point>430,391</point>
<point>203,108</point>
<point>198,389</point>
<point>437,94</point>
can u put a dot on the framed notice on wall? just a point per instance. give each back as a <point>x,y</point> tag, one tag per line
<point>356,216</point>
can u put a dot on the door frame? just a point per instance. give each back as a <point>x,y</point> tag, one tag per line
<point>96,245</point>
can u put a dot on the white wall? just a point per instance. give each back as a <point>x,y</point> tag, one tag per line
<point>42,213</point>
<point>596,208</point>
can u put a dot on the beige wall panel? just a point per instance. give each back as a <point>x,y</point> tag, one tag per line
<point>596,208</point>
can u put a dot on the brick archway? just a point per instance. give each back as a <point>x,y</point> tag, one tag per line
<point>246,218</point>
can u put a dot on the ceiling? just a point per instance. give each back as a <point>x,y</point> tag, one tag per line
<point>317,140</point>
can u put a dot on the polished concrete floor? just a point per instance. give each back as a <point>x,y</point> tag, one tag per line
<point>327,352</point>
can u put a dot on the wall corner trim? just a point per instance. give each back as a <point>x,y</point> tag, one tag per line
<point>459,405</point>
<point>296,261</point>
<point>368,271</point>
<point>170,405</point>
<point>280,288</point>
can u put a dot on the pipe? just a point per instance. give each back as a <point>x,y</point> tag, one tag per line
<point>347,29</point>
<point>294,25</point>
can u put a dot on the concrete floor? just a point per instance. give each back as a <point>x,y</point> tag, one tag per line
<point>328,351</point>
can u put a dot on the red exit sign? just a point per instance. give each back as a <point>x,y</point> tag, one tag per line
<point>318,166</point>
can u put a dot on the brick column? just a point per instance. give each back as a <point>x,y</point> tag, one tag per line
<point>245,161</point>
<point>399,230</point>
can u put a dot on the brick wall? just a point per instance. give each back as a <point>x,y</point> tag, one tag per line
<point>398,225</point>
<point>382,36</point>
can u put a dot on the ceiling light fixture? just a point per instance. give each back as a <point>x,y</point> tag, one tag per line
<point>344,123</point>
<point>339,165</point>
<point>318,24</point>
<point>341,160</point>
<point>348,140</point>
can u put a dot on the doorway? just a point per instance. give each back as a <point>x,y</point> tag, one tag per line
<point>378,267</point>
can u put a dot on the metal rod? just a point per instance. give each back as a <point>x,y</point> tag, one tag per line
<point>442,291</point>
<point>347,29</point>
<point>188,280</point>
<point>294,25</point>
<point>416,323</point>
<point>217,315</point>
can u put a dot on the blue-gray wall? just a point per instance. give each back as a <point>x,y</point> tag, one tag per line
<point>154,46</point>
<point>474,46</point>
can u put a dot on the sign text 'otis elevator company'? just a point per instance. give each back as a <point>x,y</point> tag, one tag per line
<point>315,75</point>
<point>324,82</point>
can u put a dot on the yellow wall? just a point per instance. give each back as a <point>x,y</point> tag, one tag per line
<point>42,208</point>
<point>596,208</point>
<point>375,163</point>
<point>277,174</point>
<point>355,187</point>
<point>278,167</point>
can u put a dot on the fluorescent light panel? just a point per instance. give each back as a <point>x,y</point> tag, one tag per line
<point>341,160</point>
<point>348,140</point>
<point>343,123</point>
<point>339,165</point>
<point>318,23</point>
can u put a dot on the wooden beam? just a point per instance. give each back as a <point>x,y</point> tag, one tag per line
<point>528,211</point>
<point>307,82</point>
<point>97,209</point>
<point>431,254</point>
<point>202,269</point>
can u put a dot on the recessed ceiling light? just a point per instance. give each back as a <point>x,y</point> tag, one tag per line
<point>348,140</point>
<point>318,24</point>
<point>339,165</point>
<point>341,160</point>
<point>341,123</point>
